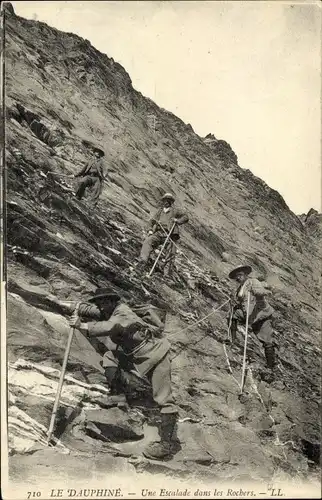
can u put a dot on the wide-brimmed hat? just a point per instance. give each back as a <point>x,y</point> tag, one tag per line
<point>99,151</point>
<point>240,269</point>
<point>101,293</point>
<point>168,196</point>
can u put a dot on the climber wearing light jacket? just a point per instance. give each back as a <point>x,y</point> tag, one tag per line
<point>158,228</point>
<point>260,311</point>
<point>108,319</point>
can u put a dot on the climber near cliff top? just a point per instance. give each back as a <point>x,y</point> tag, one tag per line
<point>159,226</point>
<point>114,324</point>
<point>260,311</point>
<point>92,176</point>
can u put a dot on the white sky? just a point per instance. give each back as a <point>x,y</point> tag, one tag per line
<point>248,72</point>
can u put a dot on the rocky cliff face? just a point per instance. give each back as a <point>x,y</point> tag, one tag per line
<point>313,223</point>
<point>63,99</point>
<point>221,148</point>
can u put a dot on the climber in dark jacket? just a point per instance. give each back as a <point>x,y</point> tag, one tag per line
<point>92,175</point>
<point>158,228</point>
<point>260,311</point>
<point>108,319</point>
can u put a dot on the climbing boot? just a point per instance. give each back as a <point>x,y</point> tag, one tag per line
<point>168,430</point>
<point>233,330</point>
<point>267,374</point>
<point>163,449</point>
<point>270,357</point>
<point>112,374</point>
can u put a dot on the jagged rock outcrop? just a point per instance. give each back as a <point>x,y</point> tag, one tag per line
<point>8,8</point>
<point>313,223</point>
<point>221,148</point>
<point>58,246</point>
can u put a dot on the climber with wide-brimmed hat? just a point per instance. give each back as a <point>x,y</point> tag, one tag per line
<point>92,176</point>
<point>240,272</point>
<point>104,317</point>
<point>260,311</point>
<point>159,227</point>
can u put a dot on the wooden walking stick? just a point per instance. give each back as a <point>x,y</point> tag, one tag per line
<point>229,335</point>
<point>245,346</point>
<point>61,380</point>
<point>163,247</point>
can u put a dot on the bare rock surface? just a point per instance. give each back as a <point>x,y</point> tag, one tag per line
<point>64,99</point>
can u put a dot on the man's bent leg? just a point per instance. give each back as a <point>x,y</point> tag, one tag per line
<point>264,332</point>
<point>169,259</point>
<point>111,369</point>
<point>96,191</point>
<point>83,184</point>
<point>162,394</point>
<point>161,385</point>
<point>149,243</point>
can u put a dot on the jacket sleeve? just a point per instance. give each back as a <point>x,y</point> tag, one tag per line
<point>182,217</point>
<point>84,310</point>
<point>257,289</point>
<point>104,328</point>
<point>122,322</point>
<point>89,311</point>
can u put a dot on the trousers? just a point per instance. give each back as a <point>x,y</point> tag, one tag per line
<point>159,377</point>
<point>264,331</point>
<point>89,181</point>
<point>153,241</point>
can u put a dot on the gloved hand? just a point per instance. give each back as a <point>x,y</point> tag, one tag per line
<point>150,232</point>
<point>75,321</point>
<point>158,332</point>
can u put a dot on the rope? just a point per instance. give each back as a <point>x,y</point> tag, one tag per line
<point>229,366</point>
<point>229,335</point>
<point>277,441</point>
<point>197,323</point>
<point>162,249</point>
<point>230,318</point>
<point>205,317</point>
<point>192,263</point>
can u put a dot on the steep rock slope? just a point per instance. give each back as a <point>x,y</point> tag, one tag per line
<point>65,98</point>
<point>313,222</point>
